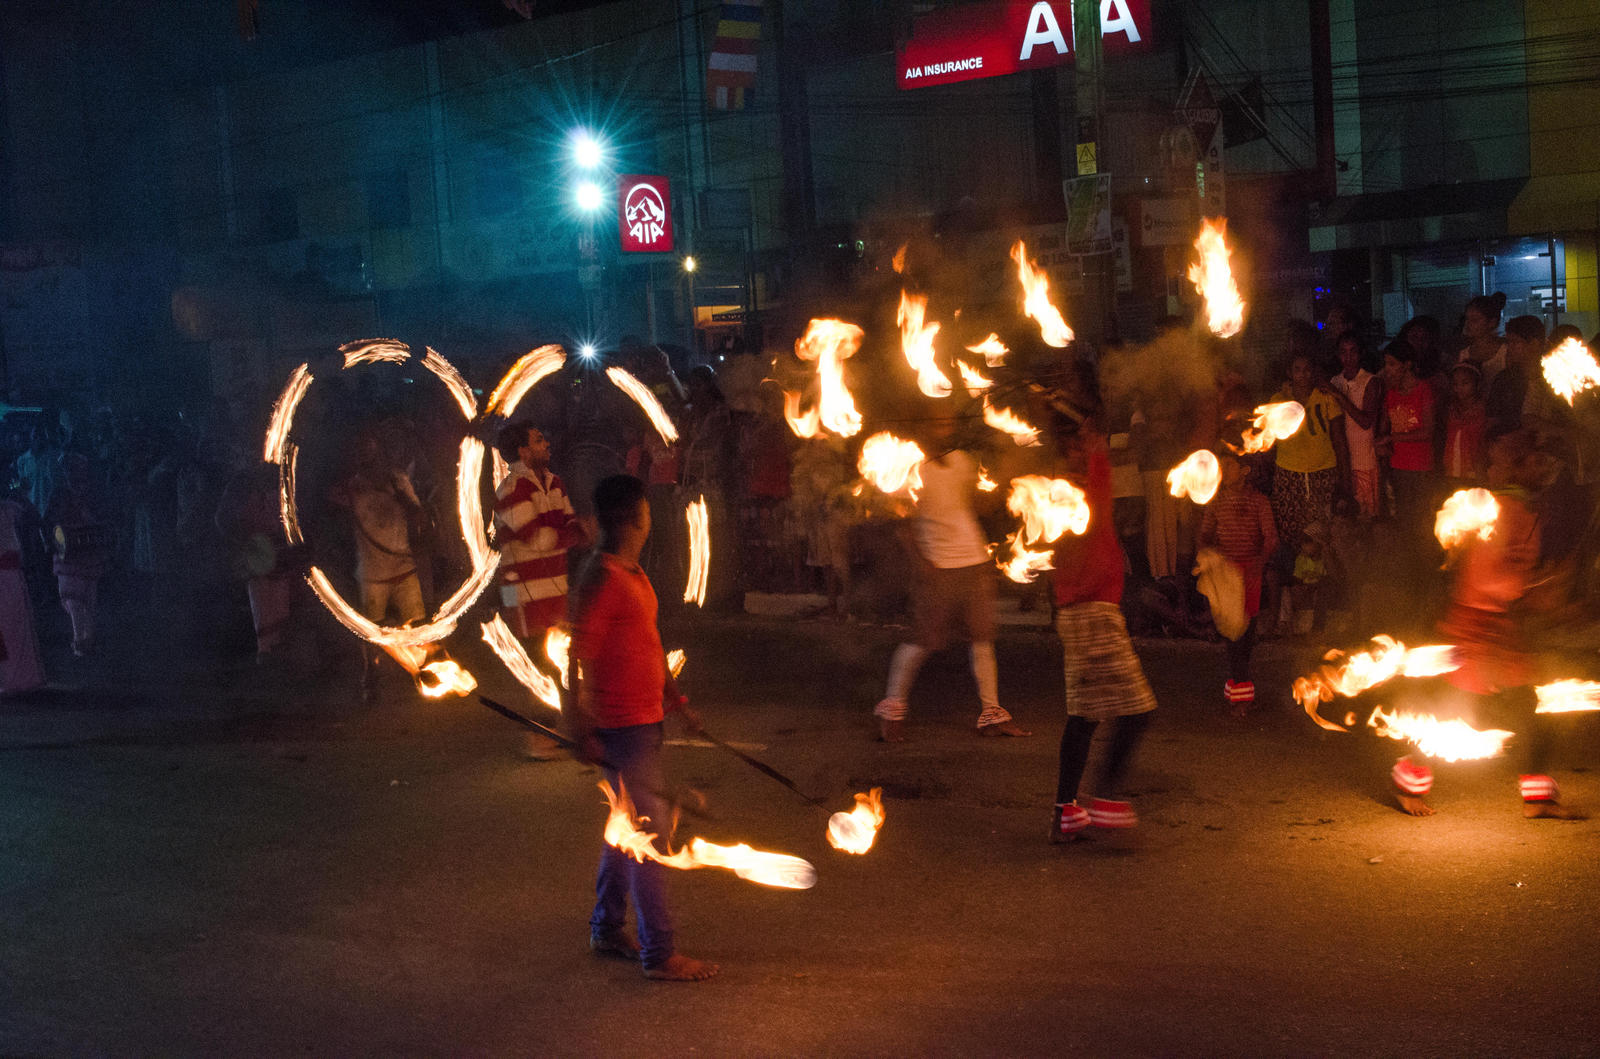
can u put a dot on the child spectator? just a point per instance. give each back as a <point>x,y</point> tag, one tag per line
<point>1239,524</point>
<point>1466,422</point>
<point>622,691</point>
<point>1408,404</point>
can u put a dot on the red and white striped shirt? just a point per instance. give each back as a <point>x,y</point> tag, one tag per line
<point>535,527</point>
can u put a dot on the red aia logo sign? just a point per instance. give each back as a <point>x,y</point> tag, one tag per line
<point>644,214</point>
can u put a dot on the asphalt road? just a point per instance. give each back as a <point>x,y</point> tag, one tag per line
<point>242,864</point>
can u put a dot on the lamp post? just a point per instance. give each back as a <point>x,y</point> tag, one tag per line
<point>587,153</point>
<point>689,267</point>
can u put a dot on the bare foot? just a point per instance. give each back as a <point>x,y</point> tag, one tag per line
<point>1004,728</point>
<point>891,731</point>
<point>1552,811</point>
<point>681,969</point>
<point>1413,804</point>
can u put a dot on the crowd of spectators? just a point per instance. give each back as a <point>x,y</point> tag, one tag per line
<point>176,516</point>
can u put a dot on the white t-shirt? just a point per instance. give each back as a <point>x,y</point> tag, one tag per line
<point>1363,445</point>
<point>947,530</point>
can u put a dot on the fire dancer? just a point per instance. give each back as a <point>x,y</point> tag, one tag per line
<point>623,691</point>
<point>954,587</point>
<point>536,527</point>
<point>1239,524</point>
<point>1103,678</point>
<point>1484,621</point>
<point>383,505</point>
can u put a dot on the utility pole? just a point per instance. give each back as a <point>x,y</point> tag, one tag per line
<point>794,133</point>
<point>1087,61</point>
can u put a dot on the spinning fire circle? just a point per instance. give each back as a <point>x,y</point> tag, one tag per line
<point>411,645</point>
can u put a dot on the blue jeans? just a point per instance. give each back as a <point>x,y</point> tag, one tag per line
<point>636,754</point>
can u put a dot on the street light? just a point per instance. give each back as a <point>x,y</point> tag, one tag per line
<point>689,264</point>
<point>586,351</point>
<point>587,150</point>
<point>588,196</point>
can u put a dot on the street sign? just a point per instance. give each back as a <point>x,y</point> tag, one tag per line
<point>991,38</point>
<point>644,214</point>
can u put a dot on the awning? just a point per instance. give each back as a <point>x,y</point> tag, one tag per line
<point>1442,213</point>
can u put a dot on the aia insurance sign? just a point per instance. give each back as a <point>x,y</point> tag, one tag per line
<point>1006,36</point>
<point>644,214</point>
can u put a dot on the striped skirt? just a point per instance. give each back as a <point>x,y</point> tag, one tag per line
<point>1103,675</point>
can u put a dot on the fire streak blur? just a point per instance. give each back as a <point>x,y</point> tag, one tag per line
<point>1453,740</point>
<point>1568,696</point>
<point>699,552</point>
<point>1389,658</point>
<point>768,869</point>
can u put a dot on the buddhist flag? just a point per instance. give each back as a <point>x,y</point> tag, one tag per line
<point>731,70</point>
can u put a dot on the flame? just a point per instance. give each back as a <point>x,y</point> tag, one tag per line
<point>892,464</point>
<point>646,400</point>
<point>1008,422</point>
<point>808,425</point>
<point>1049,508</point>
<point>994,351</point>
<point>1387,659</point>
<point>898,262</point>
<point>1023,564</point>
<point>1466,513</point>
<point>522,377</point>
<point>1273,423</point>
<point>446,373</point>
<point>1213,278</point>
<point>768,869</point>
<point>436,678</point>
<point>558,648</point>
<point>699,552</point>
<point>469,507</point>
<point>1036,300</point>
<point>985,483</point>
<point>916,341</point>
<point>497,634</point>
<point>1568,696</point>
<point>1197,477</point>
<point>1570,369</point>
<point>972,379</point>
<point>375,350</point>
<point>1450,740</point>
<point>288,513</point>
<point>445,677</point>
<point>830,343</point>
<point>855,831</point>
<point>283,414</point>
<point>675,660</point>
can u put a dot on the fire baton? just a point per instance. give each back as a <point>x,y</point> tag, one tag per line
<point>532,725</point>
<point>761,767</point>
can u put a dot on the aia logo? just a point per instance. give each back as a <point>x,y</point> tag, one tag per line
<point>644,217</point>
